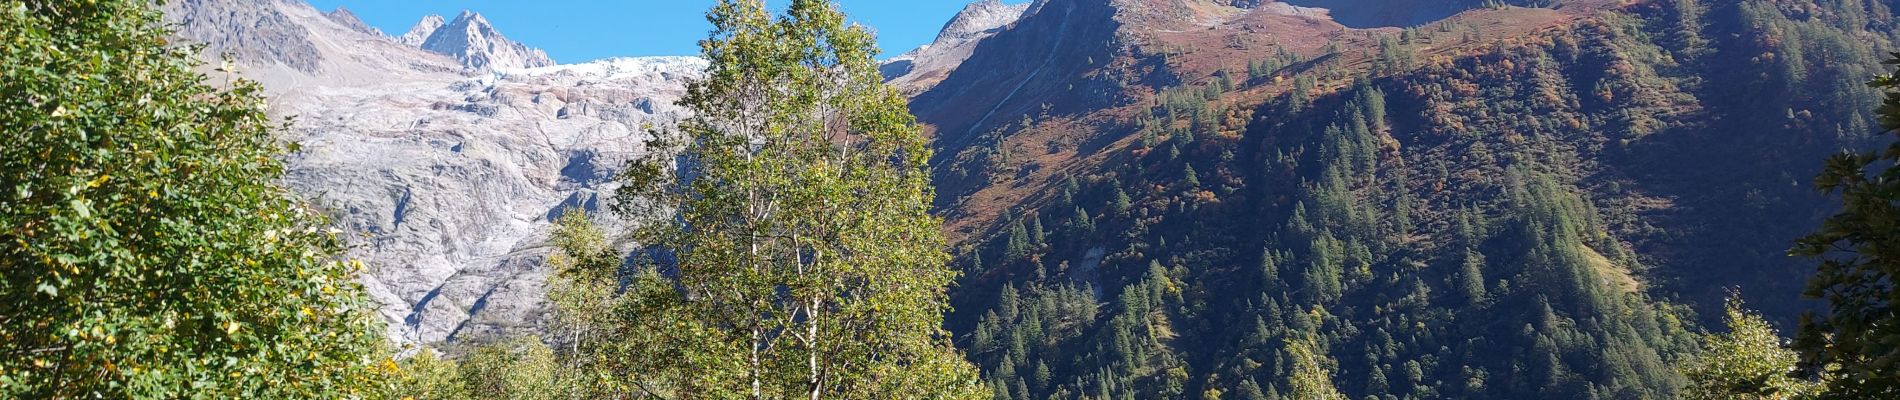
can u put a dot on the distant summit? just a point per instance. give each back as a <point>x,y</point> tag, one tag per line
<point>473,41</point>
<point>420,33</point>
<point>922,68</point>
<point>349,19</point>
<point>978,20</point>
<point>444,152</point>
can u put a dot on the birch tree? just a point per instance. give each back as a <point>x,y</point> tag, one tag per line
<point>800,259</point>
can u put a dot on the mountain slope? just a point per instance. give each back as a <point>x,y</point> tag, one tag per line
<point>1402,14</point>
<point>443,176</point>
<point>919,69</point>
<point>1493,205</point>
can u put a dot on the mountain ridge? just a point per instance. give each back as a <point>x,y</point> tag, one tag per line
<point>1509,202</point>
<point>443,176</point>
<point>919,69</point>
<point>474,41</point>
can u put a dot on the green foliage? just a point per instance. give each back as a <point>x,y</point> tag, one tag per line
<point>1859,249</point>
<point>145,249</point>
<point>1440,232</point>
<point>1311,379</point>
<point>1471,277</point>
<point>426,376</point>
<point>1748,362</point>
<point>583,297</point>
<point>516,369</point>
<point>805,262</point>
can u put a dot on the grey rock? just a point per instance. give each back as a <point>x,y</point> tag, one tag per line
<point>471,39</point>
<point>248,29</point>
<point>918,70</point>
<point>420,33</point>
<point>444,177</point>
<point>349,19</point>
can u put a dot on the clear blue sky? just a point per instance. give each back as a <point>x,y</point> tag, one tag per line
<point>583,30</point>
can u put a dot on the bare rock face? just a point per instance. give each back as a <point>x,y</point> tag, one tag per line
<point>267,33</point>
<point>420,33</point>
<point>445,178</point>
<point>471,39</point>
<point>919,69</point>
<point>349,19</point>
<point>979,19</point>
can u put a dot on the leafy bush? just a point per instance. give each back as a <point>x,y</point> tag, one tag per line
<point>144,250</point>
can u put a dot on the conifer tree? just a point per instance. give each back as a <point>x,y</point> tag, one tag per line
<point>1471,277</point>
<point>1037,236</point>
<point>1019,243</point>
<point>1082,222</point>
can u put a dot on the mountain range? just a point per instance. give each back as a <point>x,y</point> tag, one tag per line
<point>446,152</point>
<point>1148,198</point>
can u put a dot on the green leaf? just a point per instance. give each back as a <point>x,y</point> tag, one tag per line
<point>82,207</point>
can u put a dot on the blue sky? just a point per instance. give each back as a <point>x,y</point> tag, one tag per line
<point>582,30</point>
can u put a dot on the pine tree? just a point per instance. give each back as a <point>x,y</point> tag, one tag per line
<point>804,260</point>
<point>1019,244</point>
<point>1471,277</point>
<point>1250,390</point>
<point>1009,303</point>
<point>1082,222</point>
<point>1269,268</point>
<point>1122,202</point>
<point>1037,236</point>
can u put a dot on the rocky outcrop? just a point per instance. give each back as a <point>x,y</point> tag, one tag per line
<point>420,33</point>
<point>980,19</point>
<point>444,176</point>
<point>471,39</point>
<point>917,70</point>
<point>349,19</point>
<point>267,33</point>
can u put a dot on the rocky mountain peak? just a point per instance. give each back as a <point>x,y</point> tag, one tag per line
<point>980,19</point>
<point>444,175</point>
<point>921,68</point>
<point>270,35</point>
<point>471,39</point>
<point>349,19</point>
<point>420,33</point>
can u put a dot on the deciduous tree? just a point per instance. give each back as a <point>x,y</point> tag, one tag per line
<point>1859,249</point>
<point>145,249</point>
<point>801,257</point>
